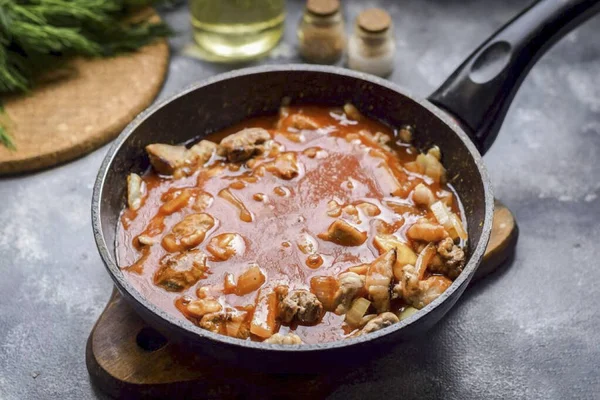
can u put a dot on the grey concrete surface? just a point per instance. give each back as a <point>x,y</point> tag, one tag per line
<point>530,331</point>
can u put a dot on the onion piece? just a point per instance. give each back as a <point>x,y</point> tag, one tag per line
<point>357,311</point>
<point>424,259</point>
<point>458,226</point>
<point>441,213</point>
<point>448,220</point>
<point>407,312</point>
<point>136,191</point>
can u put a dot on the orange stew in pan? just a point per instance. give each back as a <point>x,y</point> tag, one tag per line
<point>313,225</point>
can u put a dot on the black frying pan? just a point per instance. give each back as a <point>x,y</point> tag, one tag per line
<point>462,117</point>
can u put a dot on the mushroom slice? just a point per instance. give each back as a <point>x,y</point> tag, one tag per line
<point>344,234</point>
<point>188,233</point>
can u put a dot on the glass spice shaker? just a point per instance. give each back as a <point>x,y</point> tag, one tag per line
<point>321,34</point>
<point>371,48</point>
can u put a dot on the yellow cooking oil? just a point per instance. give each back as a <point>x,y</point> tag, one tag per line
<point>237,30</point>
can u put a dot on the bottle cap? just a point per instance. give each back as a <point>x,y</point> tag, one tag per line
<point>323,8</point>
<point>374,20</point>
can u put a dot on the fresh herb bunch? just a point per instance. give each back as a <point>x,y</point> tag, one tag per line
<point>37,36</point>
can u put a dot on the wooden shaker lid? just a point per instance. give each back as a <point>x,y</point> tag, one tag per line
<point>323,8</point>
<point>374,20</point>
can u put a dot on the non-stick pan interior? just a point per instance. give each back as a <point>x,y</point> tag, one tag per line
<point>217,105</point>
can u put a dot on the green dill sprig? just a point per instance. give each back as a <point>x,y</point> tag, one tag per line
<point>37,36</point>
<point>5,138</point>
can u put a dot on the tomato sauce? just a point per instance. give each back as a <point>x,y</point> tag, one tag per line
<point>274,217</point>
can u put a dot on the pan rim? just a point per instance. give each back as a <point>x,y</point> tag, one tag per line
<point>186,327</point>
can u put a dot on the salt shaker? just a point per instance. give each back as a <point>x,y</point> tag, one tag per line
<point>371,47</point>
<point>321,34</point>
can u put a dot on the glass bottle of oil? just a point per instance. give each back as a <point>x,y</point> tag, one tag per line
<point>237,30</point>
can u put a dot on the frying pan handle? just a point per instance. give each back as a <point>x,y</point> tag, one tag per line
<point>480,91</point>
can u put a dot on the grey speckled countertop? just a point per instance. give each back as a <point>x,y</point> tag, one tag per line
<point>531,331</point>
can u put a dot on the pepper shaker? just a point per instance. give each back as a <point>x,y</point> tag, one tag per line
<point>321,34</point>
<point>371,48</point>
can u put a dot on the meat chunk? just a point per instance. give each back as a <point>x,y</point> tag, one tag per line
<point>379,279</point>
<point>344,234</point>
<point>231,323</point>
<point>288,338</point>
<point>188,233</point>
<point>430,289</point>
<point>201,307</point>
<point>408,284</point>
<point>350,284</point>
<point>135,191</point>
<point>285,166</point>
<point>300,121</point>
<point>245,144</point>
<point>166,158</point>
<point>203,201</point>
<point>382,139</point>
<point>420,293</point>
<point>379,322</point>
<point>426,231</point>
<point>178,160</point>
<point>404,253</point>
<point>225,246</point>
<point>201,152</point>
<point>301,305</point>
<point>431,166</point>
<point>378,138</point>
<point>352,112</point>
<point>423,196</point>
<point>452,259</point>
<point>179,272</point>
<point>368,209</point>
<point>406,133</point>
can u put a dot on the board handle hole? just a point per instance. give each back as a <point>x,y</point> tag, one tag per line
<point>150,340</point>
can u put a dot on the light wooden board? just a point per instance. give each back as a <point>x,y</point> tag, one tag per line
<point>71,116</point>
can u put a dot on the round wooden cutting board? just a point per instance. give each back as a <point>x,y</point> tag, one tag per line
<point>71,116</point>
